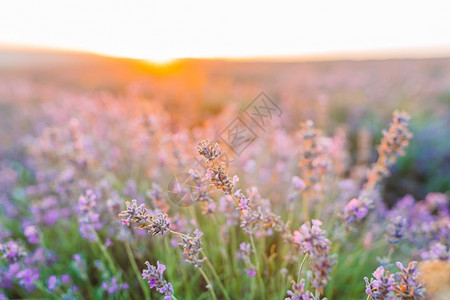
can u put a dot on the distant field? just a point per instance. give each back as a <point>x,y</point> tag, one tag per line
<point>109,163</point>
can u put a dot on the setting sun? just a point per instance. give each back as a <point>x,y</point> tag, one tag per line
<point>165,30</point>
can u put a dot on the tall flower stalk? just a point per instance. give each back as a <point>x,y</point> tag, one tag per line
<point>393,145</point>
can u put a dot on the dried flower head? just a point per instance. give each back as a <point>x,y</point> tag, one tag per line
<point>158,224</point>
<point>393,145</point>
<point>208,151</point>
<point>134,213</point>
<point>192,248</point>
<point>218,174</point>
<point>313,159</point>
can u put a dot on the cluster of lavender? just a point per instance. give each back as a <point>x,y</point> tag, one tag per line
<point>401,285</point>
<point>395,230</point>
<point>313,159</point>
<point>299,293</point>
<point>113,286</point>
<point>22,267</point>
<point>437,251</point>
<point>192,248</point>
<point>393,145</point>
<point>425,225</point>
<point>88,218</point>
<point>217,172</point>
<point>154,276</point>
<point>158,224</point>
<point>256,215</point>
<point>12,251</point>
<point>69,159</point>
<point>312,241</point>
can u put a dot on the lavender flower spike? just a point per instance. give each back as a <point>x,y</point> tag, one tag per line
<point>155,280</point>
<point>298,292</point>
<point>134,213</point>
<point>382,286</point>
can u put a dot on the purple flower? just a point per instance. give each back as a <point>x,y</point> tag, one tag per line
<point>313,241</point>
<point>52,282</point>
<point>65,278</point>
<point>113,286</point>
<point>298,292</point>
<point>311,238</point>
<point>154,276</point>
<point>251,272</point>
<point>403,284</point>
<point>77,257</point>
<point>32,234</point>
<point>8,275</point>
<point>88,218</point>
<point>298,183</point>
<point>12,251</point>
<point>437,251</point>
<point>355,211</point>
<point>395,230</point>
<point>244,251</point>
<point>243,202</point>
<point>408,285</point>
<point>27,277</point>
<point>382,286</point>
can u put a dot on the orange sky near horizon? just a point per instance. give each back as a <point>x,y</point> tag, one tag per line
<point>165,30</point>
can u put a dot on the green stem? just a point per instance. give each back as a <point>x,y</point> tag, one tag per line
<point>216,276</point>
<point>252,242</point>
<point>106,254</point>
<point>300,268</point>
<point>258,273</point>
<point>211,289</point>
<point>136,270</point>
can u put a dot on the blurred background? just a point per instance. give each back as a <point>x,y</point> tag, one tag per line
<point>344,62</point>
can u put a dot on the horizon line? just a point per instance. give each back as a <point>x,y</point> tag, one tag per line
<point>346,55</point>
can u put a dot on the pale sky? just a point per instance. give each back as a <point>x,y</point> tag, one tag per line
<point>162,30</point>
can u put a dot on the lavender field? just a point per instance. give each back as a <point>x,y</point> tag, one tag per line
<point>214,179</point>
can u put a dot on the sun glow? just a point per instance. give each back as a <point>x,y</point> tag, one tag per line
<point>164,30</point>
